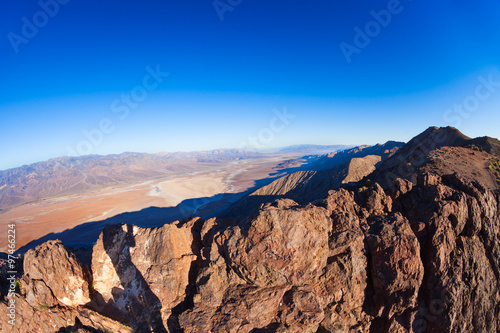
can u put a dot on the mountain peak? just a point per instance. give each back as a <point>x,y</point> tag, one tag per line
<point>439,137</point>
<point>444,150</point>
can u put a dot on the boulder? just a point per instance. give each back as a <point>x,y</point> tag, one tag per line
<point>56,273</point>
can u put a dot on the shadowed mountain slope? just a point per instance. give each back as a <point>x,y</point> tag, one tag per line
<point>344,168</point>
<point>337,158</point>
<point>304,186</point>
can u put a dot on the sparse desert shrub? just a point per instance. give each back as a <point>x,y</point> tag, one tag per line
<point>362,189</point>
<point>494,168</point>
<point>17,284</point>
<point>43,307</point>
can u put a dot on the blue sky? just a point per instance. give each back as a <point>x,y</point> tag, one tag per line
<point>425,64</point>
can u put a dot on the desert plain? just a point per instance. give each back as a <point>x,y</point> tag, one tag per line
<point>54,215</point>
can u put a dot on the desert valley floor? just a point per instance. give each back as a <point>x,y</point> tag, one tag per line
<point>54,215</point>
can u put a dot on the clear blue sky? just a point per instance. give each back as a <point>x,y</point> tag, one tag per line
<point>226,77</point>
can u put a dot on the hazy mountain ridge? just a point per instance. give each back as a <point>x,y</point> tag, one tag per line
<point>72,175</point>
<point>314,149</point>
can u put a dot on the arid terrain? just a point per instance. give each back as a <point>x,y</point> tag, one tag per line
<point>407,242</point>
<point>53,215</point>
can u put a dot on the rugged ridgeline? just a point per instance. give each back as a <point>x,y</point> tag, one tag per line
<point>336,158</point>
<point>444,151</point>
<point>304,186</point>
<point>421,254</point>
<point>331,171</point>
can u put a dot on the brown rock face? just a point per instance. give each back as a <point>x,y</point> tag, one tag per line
<point>280,246</point>
<point>376,201</point>
<point>249,270</point>
<point>461,289</point>
<point>143,273</point>
<point>343,287</point>
<point>300,311</point>
<point>31,319</point>
<point>53,290</point>
<point>396,270</point>
<point>39,294</point>
<point>55,274</point>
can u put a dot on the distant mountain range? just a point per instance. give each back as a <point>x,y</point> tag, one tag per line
<point>332,159</point>
<point>71,175</point>
<point>314,149</point>
<point>75,175</point>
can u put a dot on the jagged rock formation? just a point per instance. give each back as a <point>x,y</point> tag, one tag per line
<point>54,288</point>
<point>143,272</point>
<point>411,256</point>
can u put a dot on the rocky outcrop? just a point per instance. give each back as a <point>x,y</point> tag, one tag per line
<point>56,276</point>
<point>276,247</point>
<point>53,290</point>
<point>359,168</point>
<point>461,286</point>
<point>42,318</point>
<point>423,259</point>
<point>140,275</point>
<point>421,254</point>
<point>251,269</point>
<point>396,267</point>
<point>345,285</point>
